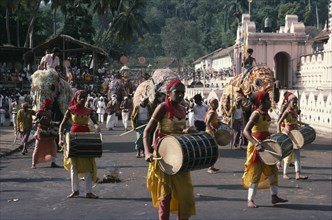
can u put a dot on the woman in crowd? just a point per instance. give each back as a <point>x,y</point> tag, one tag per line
<point>258,175</point>
<point>170,193</point>
<point>79,115</point>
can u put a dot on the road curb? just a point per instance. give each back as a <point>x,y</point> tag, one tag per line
<point>11,151</point>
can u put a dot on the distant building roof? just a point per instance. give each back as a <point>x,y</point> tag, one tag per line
<point>323,36</point>
<point>221,52</point>
<point>66,44</point>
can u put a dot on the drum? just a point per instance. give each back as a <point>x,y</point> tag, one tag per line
<point>302,136</point>
<point>277,147</point>
<point>223,134</point>
<point>187,152</point>
<point>285,143</point>
<point>83,144</point>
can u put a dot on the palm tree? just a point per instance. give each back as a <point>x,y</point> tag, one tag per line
<point>234,8</point>
<point>127,20</point>
<point>11,6</point>
<point>33,6</point>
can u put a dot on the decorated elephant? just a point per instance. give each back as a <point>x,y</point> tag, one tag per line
<point>260,78</point>
<point>47,84</point>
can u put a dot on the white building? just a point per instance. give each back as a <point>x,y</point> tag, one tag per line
<point>298,66</point>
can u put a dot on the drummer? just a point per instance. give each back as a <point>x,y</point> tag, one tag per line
<point>258,175</point>
<point>289,118</point>
<point>170,193</point>
<point>79,115</point>
<point>211,122</point>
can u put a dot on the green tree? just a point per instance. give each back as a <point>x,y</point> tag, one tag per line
<point>234,9</point>
<point>10,7</point>
<point>127,22</point>
<point>177,36</point>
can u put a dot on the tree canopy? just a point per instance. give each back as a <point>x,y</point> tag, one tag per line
<point>182,30</point>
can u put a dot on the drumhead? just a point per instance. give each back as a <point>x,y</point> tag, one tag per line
<point>172,156</point>
<point>223,136</point>
<point>297,139</point>
<point>268,157</point>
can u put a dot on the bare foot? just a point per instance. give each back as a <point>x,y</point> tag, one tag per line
<point>286,177</point>
<point>251,204</point>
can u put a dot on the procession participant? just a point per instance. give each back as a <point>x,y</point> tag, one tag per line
<point>24,125</point>
<point>42,64</point>
<point>211,121</point>
<point>248,63</point>
<point>45,146</point>
<point>139,117</point>
<point>79,115</point>
<point>289,118</point>
<point>258,175</point>
<point>170,193</point>
<point>52,60</point>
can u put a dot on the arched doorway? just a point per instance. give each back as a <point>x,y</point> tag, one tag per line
<point>282,62</point>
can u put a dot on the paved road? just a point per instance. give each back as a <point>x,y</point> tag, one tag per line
<point>40,194</point>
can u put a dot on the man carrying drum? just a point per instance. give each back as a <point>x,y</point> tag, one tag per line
<point>289,118</point>
<point>79,115</point>
<point>170,193</point>
<point>258,175</point>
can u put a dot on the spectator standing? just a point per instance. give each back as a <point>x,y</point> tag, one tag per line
<point>140,117</point>
<point>111,109</point>
<point>238,122</point>
<point>101,109</point>
<point>211,121</point>
<point>24,125</point>
<point>199,110</point>
<point>125,107</point>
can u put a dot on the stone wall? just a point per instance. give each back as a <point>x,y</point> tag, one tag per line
<point>316,106</point>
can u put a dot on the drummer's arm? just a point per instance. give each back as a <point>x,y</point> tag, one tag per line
<point>247,130</point>
<point>95,123</point>
<point>61,126</point>
<point>280,121</point>
<point>157,115</point>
